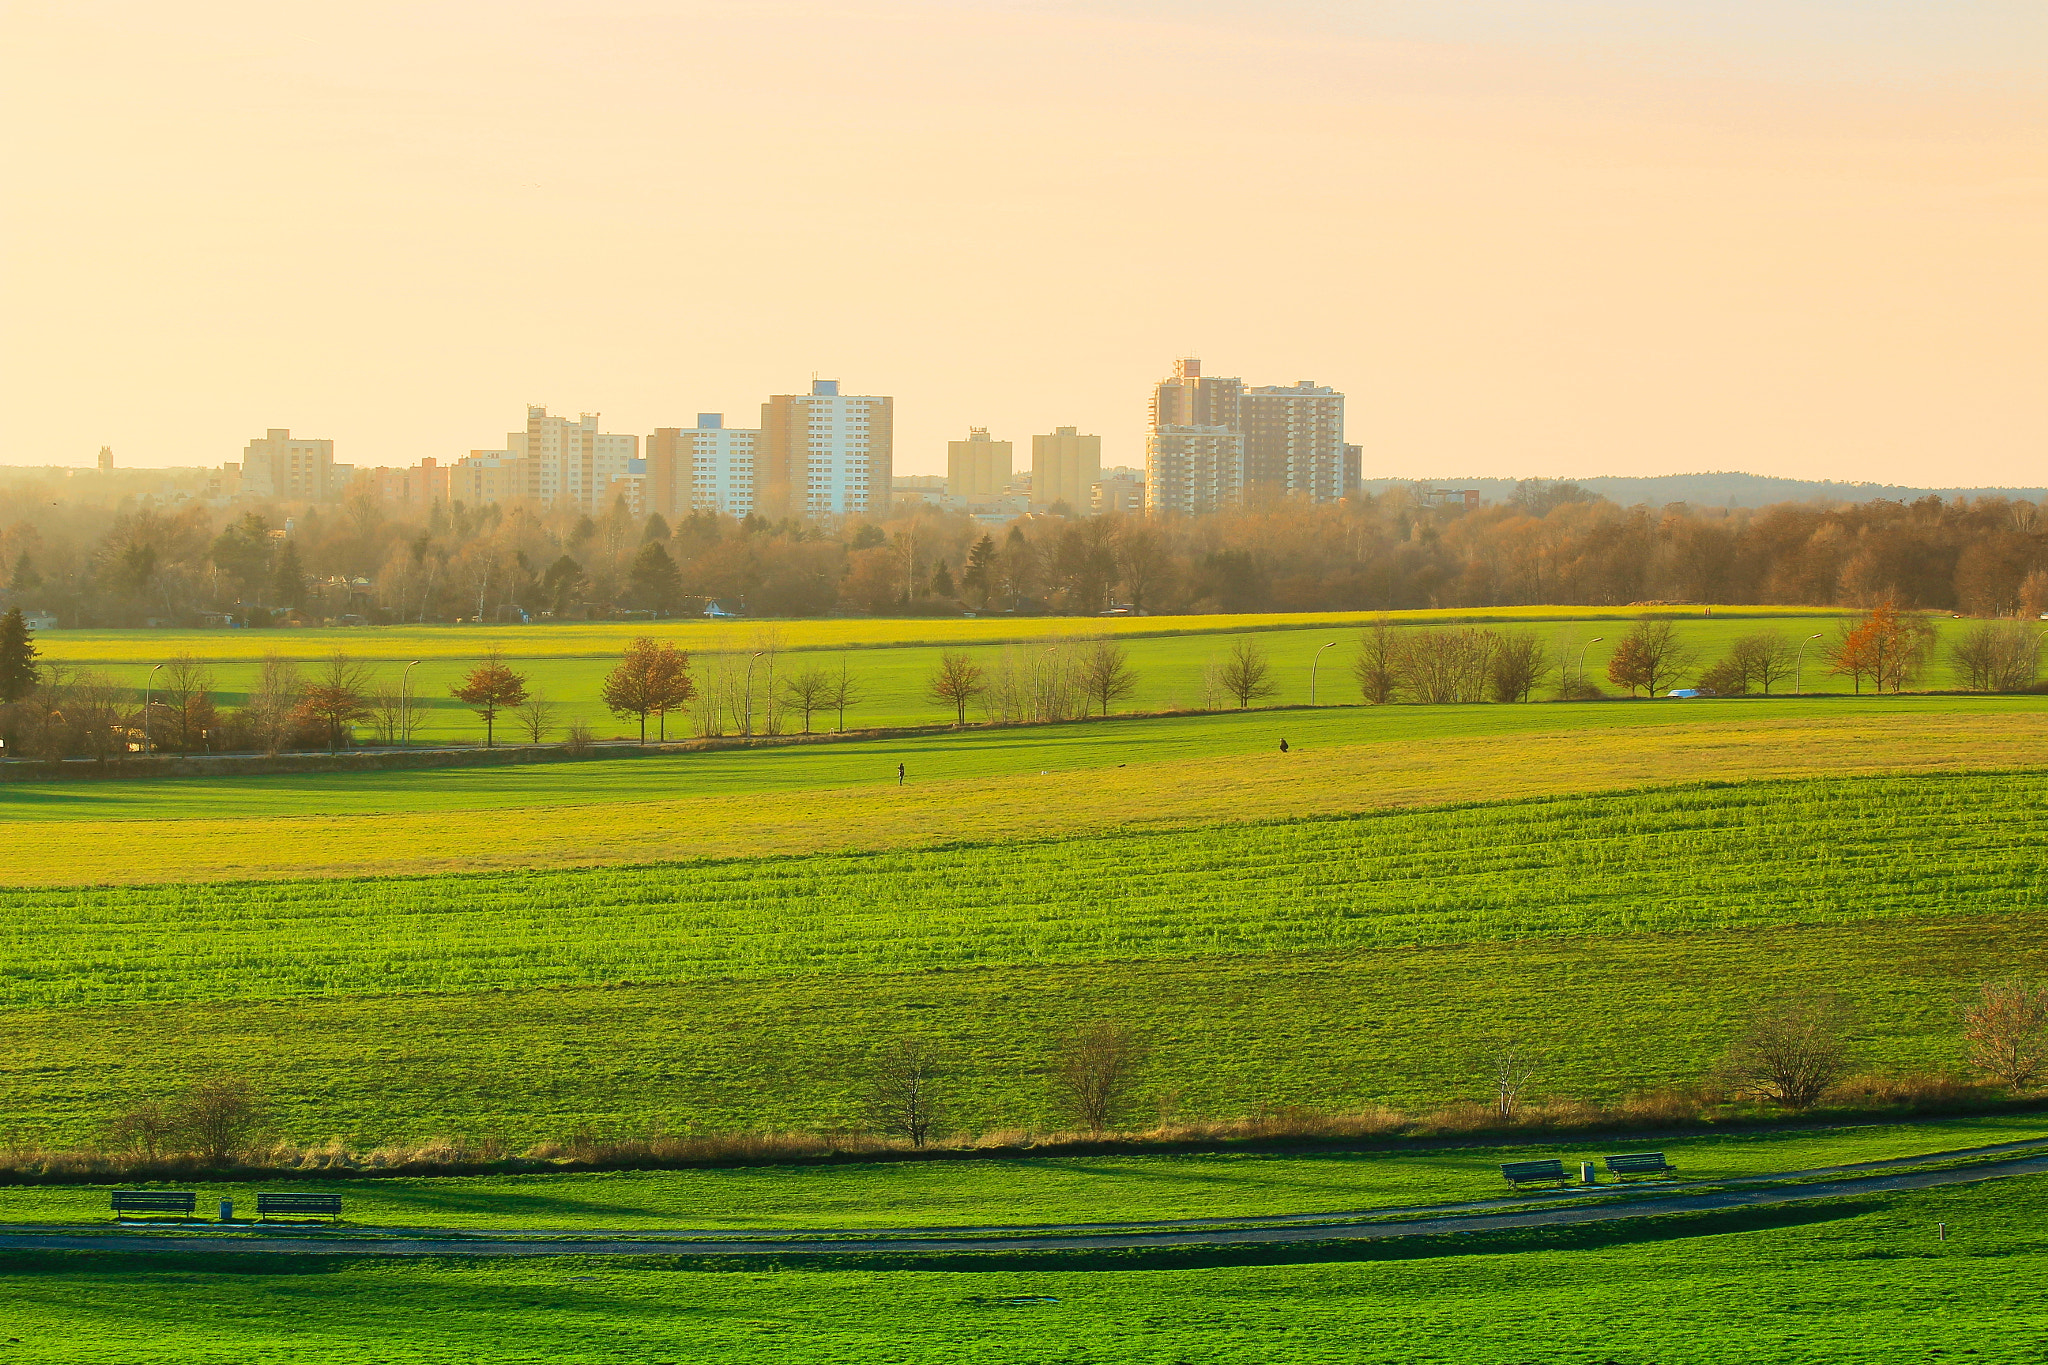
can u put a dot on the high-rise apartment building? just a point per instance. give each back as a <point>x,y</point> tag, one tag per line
<point>280,465</point>
<point>554,462</point>
<point>825,454</point>
<point>1293,442</point>
<point>106,459</point>
<point>977,468</point>
<point>1216,443</point>
<point>709,466</point>
<point>571,463</point>
<point>1194,456</point>
<point>1064,468</point>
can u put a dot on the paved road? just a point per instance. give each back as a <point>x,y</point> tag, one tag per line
<point>1101,1237</point>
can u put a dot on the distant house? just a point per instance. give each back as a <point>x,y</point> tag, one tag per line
<point>39,620</point>
<point>715,607</point>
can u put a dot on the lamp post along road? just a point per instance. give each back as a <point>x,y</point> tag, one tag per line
<point>148,685</point>
<point>1799,667</point>
<point>1580,674</point>
<point>1314,664</point>
<point>748,729</point>
<point>405,704</point>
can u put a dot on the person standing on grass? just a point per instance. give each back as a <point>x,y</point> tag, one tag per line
<point>1283,746</point>
<point>899,774</point>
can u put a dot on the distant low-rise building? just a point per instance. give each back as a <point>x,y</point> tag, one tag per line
<point>1119,492</point>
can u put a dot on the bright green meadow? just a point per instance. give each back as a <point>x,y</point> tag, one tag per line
<point>1331,962</point>
<point>1838,1282</point>
<point>697,943</point>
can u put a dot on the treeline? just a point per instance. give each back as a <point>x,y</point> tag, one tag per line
<point>1102,1088</point>
<point>50,711</point>
<point>134,562</point>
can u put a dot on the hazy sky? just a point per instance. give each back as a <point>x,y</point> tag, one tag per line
<point>1799,237</point>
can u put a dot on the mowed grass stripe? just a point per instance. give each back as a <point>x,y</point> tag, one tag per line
<point>1660,861</point>
<point>1248,785</point>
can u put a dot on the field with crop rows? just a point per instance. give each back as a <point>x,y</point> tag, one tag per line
<point>892,661</point>
<point>990,786</point>
<point>1658,861</point>
<point>1321,962</point>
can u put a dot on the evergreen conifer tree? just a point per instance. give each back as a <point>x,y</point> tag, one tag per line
<point>17,657</point>
<point>288,588</point>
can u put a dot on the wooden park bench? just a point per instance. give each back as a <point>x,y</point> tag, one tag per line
<point>154,1201</point>
<point>298,1206</point>
<point>1639,1163</point>
<point>1520,1173</point>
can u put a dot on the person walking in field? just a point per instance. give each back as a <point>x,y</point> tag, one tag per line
<point>899,774</point>
<point>1283,746</point>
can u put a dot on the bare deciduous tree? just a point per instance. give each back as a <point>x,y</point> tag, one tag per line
<point>1509,1066</point>
<point>1517,666</point>
<point>2007,1033</point>
<point>1378,665</point>
<point>846,692</point>
<point>1791,1050</point>
<point>1998,656</point>
<point>274,702</point>
<point>904,1095</point>
<point>1246,674</point>
<point>807,692</point>
<point>956,681</point>
<point>218,1117</point>
<point>1105,673</point>
<point>536,716</point>
<point>1762,660</point>
<point>1095,1072</point>
<point>149,1128</point>
<point>185,691</point>
<point>1446,664</point>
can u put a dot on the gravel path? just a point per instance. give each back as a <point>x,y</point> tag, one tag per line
<point>1867,1178</point>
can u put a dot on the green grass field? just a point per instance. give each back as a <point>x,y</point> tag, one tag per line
<point>1331,963</point>
<point>723,940</point>
<point>894,659</point>
<point>1844,1282</point>
<point>978,786</point>
<point>1653,862</point>
<point>1038,1191</point>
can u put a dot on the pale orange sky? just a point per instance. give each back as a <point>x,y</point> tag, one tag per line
<point>1806,238</point>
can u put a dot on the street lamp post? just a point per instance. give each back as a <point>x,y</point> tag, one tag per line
<point>749,730</point>
<point>1799,667</point>
<point>1314,664</point>
<point>1580,672</point>
<point>405,702</point>
<point>147,685</point>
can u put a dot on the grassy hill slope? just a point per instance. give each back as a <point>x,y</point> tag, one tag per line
<point>1336,962</point>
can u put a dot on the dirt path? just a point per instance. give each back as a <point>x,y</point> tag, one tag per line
<point>1240,1231</point>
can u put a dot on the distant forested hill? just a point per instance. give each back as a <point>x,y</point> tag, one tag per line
<point>1720,490</point>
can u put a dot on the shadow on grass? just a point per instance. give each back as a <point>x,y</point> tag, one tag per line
<point>1498,1242</point>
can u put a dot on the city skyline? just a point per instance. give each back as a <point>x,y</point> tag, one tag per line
<point>1603,239</point>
